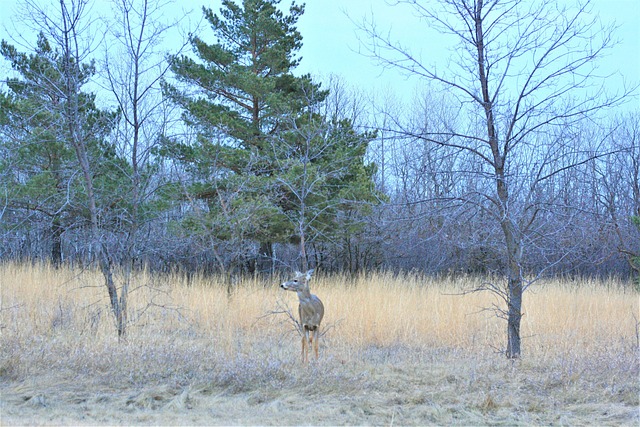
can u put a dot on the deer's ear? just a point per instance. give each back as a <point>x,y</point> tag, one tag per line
<point>309,273</point>
<point>297,273</point>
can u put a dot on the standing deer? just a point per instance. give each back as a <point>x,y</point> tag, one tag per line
<point>310,310</point>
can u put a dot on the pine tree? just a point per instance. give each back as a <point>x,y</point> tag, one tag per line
<point>38,172</point>
<point>258,130</point>
<point>246,93</point>
<point>328,185</point>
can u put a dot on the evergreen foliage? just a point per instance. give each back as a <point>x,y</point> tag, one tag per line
<point>253,119</point>
<point>39,169</point>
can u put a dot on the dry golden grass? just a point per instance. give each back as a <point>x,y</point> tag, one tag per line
<point>396,350</point>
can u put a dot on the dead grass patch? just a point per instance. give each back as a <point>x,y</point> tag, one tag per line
<point>396,350</point>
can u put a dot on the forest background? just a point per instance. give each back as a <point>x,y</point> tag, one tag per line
<point>175,187</point>
<point>412,203</point>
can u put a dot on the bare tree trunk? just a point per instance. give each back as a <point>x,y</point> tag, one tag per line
<point>512,242</point>
<point>72,58</point>
<point>134,66</point>
<point>520,68</point>
<point>514,292</point>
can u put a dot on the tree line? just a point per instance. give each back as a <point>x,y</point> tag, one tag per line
<point>219,157</point>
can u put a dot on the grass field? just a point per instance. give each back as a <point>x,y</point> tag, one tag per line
<point>395,351</point>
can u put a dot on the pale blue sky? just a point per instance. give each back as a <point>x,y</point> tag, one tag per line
<point>331,41</point>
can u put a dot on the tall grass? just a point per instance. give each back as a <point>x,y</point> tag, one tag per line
<point>370,310</point>
<point>396,350</point>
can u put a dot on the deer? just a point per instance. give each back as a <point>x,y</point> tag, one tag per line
<point>311,311</point>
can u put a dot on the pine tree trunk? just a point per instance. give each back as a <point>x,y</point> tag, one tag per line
<point>56,242</point>
<point>265,257</point>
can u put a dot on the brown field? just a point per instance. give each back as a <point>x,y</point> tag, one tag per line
<point>396,351</point>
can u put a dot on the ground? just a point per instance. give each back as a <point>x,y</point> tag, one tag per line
<point>382,386</point>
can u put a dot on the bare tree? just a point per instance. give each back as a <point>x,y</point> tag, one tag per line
<point>134,65</point>
<point>68,31</point>
<point>71,30</point>
<point>616,183</point>
<point>133,68</point>
<point>520,72</point>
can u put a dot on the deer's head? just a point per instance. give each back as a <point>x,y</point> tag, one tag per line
<point>299,282</point>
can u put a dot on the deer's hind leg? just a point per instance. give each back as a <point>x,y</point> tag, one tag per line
<point>316,343</point>
<point>305,340</point>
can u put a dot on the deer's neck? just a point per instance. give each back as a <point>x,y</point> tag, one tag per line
<point>304,294</point>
